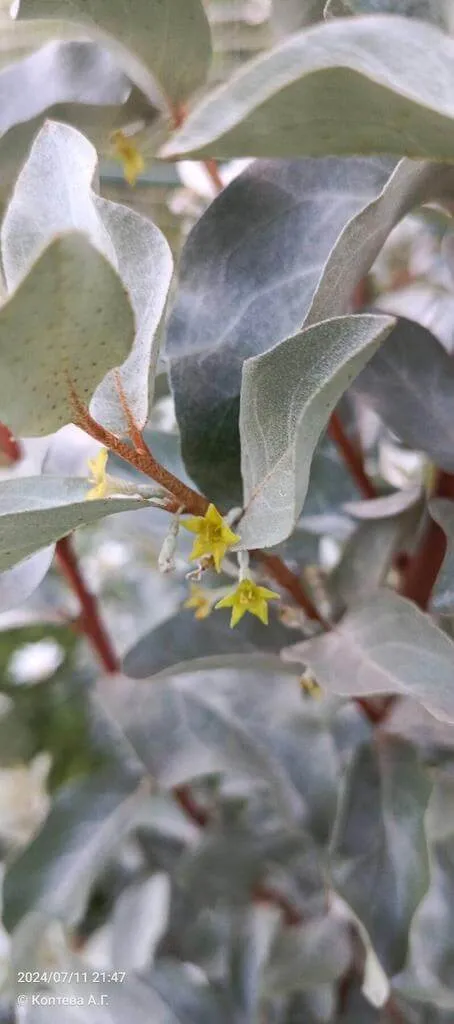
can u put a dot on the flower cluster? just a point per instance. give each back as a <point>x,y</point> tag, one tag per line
<point>214,538</point>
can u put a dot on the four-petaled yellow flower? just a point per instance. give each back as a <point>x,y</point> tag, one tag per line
<point>98,476</point>
<point>130,156</point>
<point>200,600</point>
<point>248,597</point>
<point>214,537</point>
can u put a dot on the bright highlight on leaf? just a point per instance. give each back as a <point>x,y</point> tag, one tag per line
<point>214,537</point>
<point>98,476</point>
<point>248,597</point>
<point>130,156</point>
<point>199,599</point>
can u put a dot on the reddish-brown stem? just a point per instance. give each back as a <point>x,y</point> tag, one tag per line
<point>263,893</point>
<point>9,447</point>
<point>179,114</point>
<point>392,1010</point>
<point>422,571</point>
<point>212,169</point>
<point>351,456</point>
<point>375,710</point>
<point>143,460</point>
<point>90,621</point>
<point>287,579</point>
<point>187,803</point>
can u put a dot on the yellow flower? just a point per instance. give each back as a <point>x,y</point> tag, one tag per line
<point>248,597</point>
<point>130,156</point>
<point>98,476</point>
<point>214,536</point>
<point>310,687</point>
<point>200,600</point>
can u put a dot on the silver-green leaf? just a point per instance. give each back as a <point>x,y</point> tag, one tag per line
<point>63,328</point>
<point>381,84</point>
<point>17,583</point>
<point>55,872</point>
<point>410,383</point>
<point>53,194</point>
<point>386,646</point>
<point>253,263</point>
<point>442,600</point>
<point>165,40</point>
<point>287,397</point>
<point>35,511</point>
<point>379,857</point>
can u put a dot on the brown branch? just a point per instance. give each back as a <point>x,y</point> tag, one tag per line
<point>419,578</point>
<point>287,579</point>
<point>197,814</point>
<point>143,460</point>
<point>351,456</point>
<point>90,620</point>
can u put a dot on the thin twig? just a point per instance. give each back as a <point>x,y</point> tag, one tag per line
<point>212,169</point>
<point>352,457</point>
<point>142,459</point>
<point>280,572</point>
<point>419,578</point>
<point>90,621</point>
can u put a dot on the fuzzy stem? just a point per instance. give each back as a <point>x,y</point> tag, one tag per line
<point>143,460</point>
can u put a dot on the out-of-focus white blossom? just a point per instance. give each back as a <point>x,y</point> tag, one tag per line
<point>24,799</point>
<point>34,662</point>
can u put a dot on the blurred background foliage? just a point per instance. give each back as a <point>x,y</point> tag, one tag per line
<point>119,906</point>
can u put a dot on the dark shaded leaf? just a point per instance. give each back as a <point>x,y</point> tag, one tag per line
<point>410,383</point>
<point>379,854</point>
<point>248,274</point>
<point>186,640</point>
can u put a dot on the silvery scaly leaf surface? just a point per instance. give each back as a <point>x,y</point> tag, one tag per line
<point>34,511</point>
<point>379,855</point>
<point>387,645</point>
<point>53,194</point>
<point>163,46</point>
<point>285,244</point>
<point>287,397</point>
<point>313,96</point>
